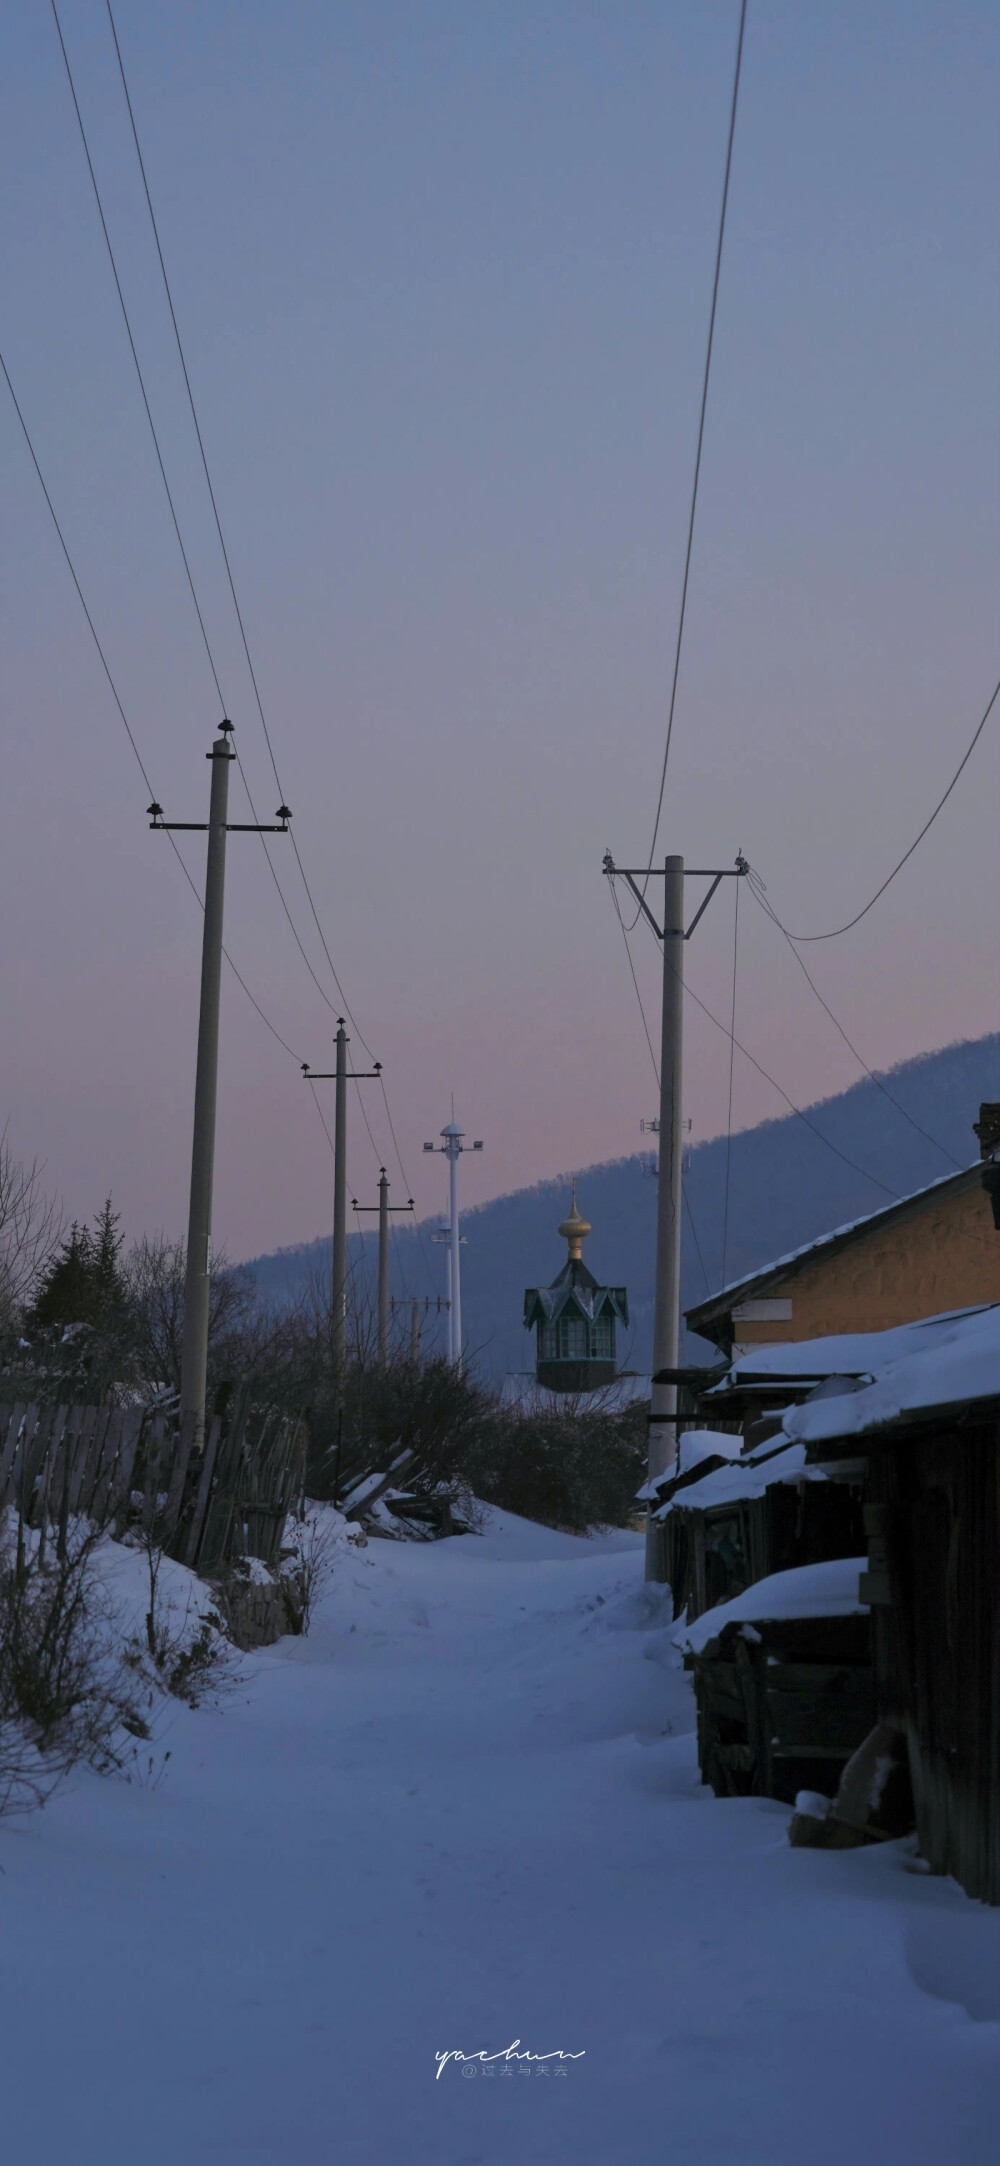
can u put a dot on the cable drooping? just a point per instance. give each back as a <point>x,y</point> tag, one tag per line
<point>135,356</point>
<point>275,1033</point>
<point>701,436</point>
<point>656,1072</point>
<point>173,512</point>
<point>759,893</point>
<point>790,1102</point>
<point>837,930</point>
<point>635,981</point>
<point>218,525</point>
<point>694,1232</point>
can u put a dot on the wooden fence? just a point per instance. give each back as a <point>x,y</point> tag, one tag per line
<point>230,1501</point>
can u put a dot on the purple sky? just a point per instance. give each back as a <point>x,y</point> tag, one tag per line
<point>443,275</point>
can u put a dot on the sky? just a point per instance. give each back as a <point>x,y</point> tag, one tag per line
<point>443,276</point>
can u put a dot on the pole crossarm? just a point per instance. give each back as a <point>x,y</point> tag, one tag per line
<point>715,873</point>
<point>366,1208</point>
<point>353,1075</point>
<point>200,827</point>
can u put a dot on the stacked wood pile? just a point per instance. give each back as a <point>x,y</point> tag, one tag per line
<point>417,1515</point>
<point>783,1705</point>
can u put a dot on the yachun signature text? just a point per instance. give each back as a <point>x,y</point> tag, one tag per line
<point>514,2052</point>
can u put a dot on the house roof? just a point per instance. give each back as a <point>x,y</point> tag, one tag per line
<point>771,1275</point>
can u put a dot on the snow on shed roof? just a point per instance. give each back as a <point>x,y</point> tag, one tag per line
<point>829,1589</point>
<point>956,1365</point>
<point>744,1480</point>
<point>849,1354</point>
<point>695,1445</point>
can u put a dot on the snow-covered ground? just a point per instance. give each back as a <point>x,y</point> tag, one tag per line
<point>465,1811</point>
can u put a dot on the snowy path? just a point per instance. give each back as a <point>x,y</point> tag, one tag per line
<point>450,1818</point>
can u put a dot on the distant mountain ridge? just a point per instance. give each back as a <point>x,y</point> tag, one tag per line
<point>787,1186</point>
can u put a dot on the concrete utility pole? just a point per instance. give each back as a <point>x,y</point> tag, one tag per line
<point>197,1282</point>
<point>667,1297</point>
<point>338,1285</point>
<point>340,1076</point>
<point>194,1358</point>
<point>663,1438</point>
<point>452,1146</point>
<point>383,1208</point>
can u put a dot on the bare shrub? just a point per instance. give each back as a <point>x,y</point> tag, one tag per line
<point>188,1655</point>
<point>238,1328</point>
<point>31,1228</point>
<point>66,1695</point>
<point>307,1563</point>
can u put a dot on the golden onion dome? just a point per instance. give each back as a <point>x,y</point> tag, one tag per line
<point>574,1229</point>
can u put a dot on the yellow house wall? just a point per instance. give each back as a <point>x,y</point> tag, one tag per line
<point>947,1256</point>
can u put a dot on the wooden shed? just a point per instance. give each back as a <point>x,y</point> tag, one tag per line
<point>924,1437</point>
<point>736,1519</point>
<point>784,1683</point>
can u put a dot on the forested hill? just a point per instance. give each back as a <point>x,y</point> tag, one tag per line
<point>786,1186</point>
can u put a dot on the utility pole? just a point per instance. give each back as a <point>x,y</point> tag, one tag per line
<point>667,1299</point>
<point>663,1436</point>
<point>383,1208</point>
<point>341,1076</point>
<point>452,1146</point>
<point>194,1355</point>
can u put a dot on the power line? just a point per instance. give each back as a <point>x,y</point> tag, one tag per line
<point>218,523</point>
<point>275,1033</point>
<point>180,542</point>
<point>76,583</point>
<point>173,512</point>
<point>635,981</point>
<point>701,436</point>
<point>135,356</point>
<point>656,1072</point>
<point>759,893</point>
<point>837,930</point>
<point>694,1233</point>
<point>790,1102</point>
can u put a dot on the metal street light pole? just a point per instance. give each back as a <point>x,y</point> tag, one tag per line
<point>452,1145</point>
